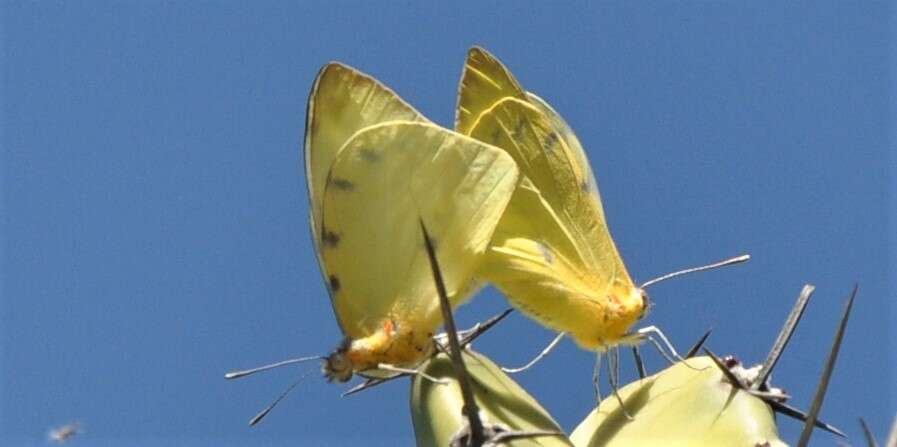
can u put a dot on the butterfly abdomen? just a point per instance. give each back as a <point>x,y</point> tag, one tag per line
<point>393,344</point>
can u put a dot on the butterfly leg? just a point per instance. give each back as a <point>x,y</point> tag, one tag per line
<point>414,372</point>
<point>539,357</point>
<point>660,349</point>
<point>639,364</point>
<point>613,376</point>
<point>596,378</point>
<point>646,332</point>
<point>673,356</point>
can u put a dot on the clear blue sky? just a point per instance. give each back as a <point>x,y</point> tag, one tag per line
<point>154,211</point>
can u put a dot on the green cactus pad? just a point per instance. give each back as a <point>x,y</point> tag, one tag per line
<point>681,406</point>
<point>436,409</point>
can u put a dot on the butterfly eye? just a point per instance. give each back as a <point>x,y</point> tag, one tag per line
<point>646,303</point>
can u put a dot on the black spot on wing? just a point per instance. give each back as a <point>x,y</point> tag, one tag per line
<point>496,134</point>
<point>369,155</point>
<point>330,239</point>
<point>518,129</point>
<point>334,284</point>
<point>342,184</point>
<point>550,141</point>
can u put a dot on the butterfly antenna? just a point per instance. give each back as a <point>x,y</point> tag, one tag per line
<point>731,261</point>
<point>238,374</point>
<point>261,414</point>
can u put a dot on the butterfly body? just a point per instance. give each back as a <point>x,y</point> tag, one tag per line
<point>390,345</point>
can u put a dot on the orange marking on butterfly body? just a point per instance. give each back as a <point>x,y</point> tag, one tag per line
<point>391,344</point>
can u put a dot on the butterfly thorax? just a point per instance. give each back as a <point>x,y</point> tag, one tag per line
<point>392,344</point>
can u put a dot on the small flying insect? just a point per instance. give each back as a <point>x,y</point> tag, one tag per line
<point>64,433</point>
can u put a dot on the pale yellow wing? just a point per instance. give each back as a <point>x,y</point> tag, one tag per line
<point>342,101</point>
<point>552,254</point>
<point>384,180</point>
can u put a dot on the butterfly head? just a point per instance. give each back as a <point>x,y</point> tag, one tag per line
<point>647,304</point>
<point>630,304</point>
<point>337,367</point>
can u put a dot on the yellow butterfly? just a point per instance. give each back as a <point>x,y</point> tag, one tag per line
<point>552,253</point>
<point>375,169</point>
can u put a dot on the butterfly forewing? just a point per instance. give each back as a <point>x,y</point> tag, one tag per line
<point>342,102</point>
